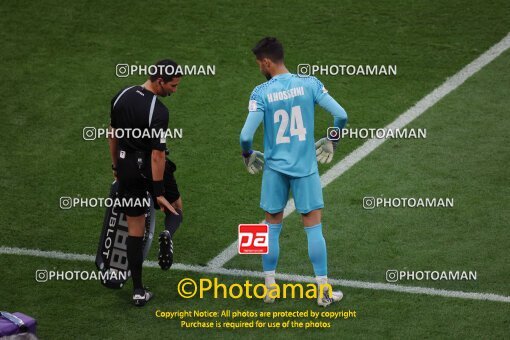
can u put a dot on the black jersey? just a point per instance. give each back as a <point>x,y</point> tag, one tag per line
<point>142,118</point>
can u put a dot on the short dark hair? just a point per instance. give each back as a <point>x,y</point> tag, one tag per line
<point>167,69</point>
<point>269,47</point>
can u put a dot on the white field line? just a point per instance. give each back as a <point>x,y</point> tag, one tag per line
<point>400,122</point>
<point>284,277</point>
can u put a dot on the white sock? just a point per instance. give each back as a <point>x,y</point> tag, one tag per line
<point>269,278</point>
<point>321,279</point>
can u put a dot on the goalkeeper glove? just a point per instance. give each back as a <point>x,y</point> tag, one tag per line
<point>254,161</point>
<point>324,149</point>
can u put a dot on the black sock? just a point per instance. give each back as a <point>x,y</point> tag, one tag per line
<point>172,222</point>
<point>135,259</point>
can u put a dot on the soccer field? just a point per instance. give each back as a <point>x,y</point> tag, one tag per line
<point>58,76</point>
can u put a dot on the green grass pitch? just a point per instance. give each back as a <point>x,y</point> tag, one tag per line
<point>58,76</point>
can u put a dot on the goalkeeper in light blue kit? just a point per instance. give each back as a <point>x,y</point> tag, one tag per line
<point>286,105</point>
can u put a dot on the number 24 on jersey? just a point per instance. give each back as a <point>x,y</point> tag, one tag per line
<point>296,125</point>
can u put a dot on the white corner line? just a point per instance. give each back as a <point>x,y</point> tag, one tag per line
<point>400,122</point>
<point>285,277</point>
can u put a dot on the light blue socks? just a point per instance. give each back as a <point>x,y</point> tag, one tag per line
<point>270,260</point>
<point>317,250</point>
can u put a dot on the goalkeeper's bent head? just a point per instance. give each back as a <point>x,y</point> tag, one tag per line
<point>269,54</point>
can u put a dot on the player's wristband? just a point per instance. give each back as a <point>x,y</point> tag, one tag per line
<point>114,168</point>
<point>158,187</point>
<point>247,154</point>
<point>334,142</point>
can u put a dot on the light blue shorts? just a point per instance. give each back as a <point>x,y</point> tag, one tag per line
<point>307,191</point>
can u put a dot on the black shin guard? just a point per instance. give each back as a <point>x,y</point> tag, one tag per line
<point>135,259</point>
<point>172,222</point>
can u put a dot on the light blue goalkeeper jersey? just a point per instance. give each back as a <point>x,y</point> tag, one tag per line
<point>287,102</point>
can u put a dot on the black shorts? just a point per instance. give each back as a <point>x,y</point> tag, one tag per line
<point>134,183</point>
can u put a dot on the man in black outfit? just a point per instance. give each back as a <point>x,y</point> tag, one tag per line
<point>140,165</point>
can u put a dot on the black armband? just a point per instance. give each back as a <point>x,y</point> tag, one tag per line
<point>158,188</point>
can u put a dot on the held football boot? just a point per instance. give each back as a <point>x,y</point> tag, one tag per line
<point>166,250</point>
